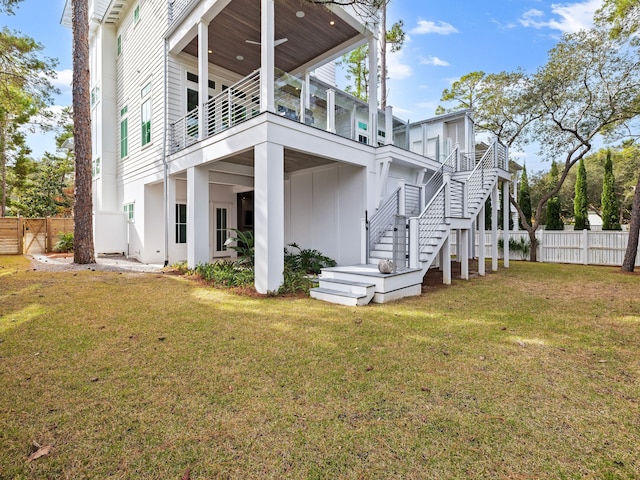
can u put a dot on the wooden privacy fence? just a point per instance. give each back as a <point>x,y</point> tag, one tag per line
<point>20,235</point>
<point>581,247</point>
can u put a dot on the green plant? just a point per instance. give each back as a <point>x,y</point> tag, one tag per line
<point>244,246</point>
<point>554,221</point>
<point>522,245</point>
<point>306,260</point>
<point>64,243</point>
<point>295,281</point>
<point>580,200</point>
<point>226,273</point>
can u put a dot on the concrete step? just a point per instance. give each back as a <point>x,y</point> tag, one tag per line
<point>348,286</point>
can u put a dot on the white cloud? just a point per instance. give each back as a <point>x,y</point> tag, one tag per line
<point>395,68</point>
<point>438,62</point>
<point>569,17</point>
<point>64,81</point>
<point>440,27</point>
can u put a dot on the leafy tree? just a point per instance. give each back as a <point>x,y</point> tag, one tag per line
<point>609,199</point>
<point>357,67</point>
<point>464,92</point>
<point>83,213</point>
<point>25,90</point>
<point>580,200</point>
<point>524,197</point>
<point>553,218</point>
<point>8,6</point>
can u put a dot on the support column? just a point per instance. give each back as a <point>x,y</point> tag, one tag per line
<point>170,218</point>
<point>505,222</point>
<point>464,254</point>
<point>373,90</point>
<point>203,77</point>
<point>481,232</point>
<point>516,219</point>
<point>446,261</point>
<point>494,228</point>
<point>197,216</point>
<point>269,216</point>
<point>267,56</point>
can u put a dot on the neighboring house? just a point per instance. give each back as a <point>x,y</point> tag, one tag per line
<point>274,147</point>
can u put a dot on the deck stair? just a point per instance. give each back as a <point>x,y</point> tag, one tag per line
<point>413,238</point>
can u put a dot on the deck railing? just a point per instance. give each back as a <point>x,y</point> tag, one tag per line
<point>238,103</point>
<point>383,220</point>
<point>426,227</point>
<point>494,157</point>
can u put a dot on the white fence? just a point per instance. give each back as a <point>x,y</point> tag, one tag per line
<point>582,247</point>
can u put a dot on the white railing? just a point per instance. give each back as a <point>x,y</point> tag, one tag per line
<point>476,180</point>
<point>238,103</point>
<point>383,220</point>
<point>424,229</point>
<point>437,179</point>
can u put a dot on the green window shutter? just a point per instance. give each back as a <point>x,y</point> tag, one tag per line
<point>124,138</point>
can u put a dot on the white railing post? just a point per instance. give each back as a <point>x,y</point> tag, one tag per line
<point>331,110</point>
<point>495,152</point>
<point>388,125</point>
<point>446,180</point>
<point>414,234</point>
<point>457,163</point>
<point>401,197</point>
<point>465,200</point>
<point>364,244</point>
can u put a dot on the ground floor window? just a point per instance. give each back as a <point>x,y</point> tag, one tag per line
<point>181,223</point>
<point>128,209</point>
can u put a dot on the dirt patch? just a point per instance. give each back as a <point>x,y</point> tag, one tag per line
<point>63,262</point>
<point>433,278</point>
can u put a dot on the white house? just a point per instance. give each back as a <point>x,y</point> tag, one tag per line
<point>210,115</point>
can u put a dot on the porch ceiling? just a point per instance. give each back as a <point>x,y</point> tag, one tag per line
<point>308,37</point>
<point>293,160</point>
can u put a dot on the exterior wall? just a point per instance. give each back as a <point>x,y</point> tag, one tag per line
<point>323,210</point>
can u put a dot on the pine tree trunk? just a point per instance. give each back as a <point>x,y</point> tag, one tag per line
<point>3,166</point>
<point>83,208</point>
<point>634,232</point>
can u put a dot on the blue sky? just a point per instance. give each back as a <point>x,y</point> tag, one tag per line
<point>445,41</point>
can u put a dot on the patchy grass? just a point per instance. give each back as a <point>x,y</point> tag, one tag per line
<point>530,373</point>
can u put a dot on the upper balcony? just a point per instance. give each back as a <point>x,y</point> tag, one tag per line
<point>303,99</point>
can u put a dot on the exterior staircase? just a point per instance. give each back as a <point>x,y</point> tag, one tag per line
<point>410,229</point>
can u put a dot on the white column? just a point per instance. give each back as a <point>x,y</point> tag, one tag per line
<point>388,125</point>
<point>464,254</point>
<point>197,216</point>
<point>331,110</point>
<point>373,90</point>
<point>505,221</point>
<point>446,261</point>
<point>516,219</point>
<point>269,216</point>
<point>494,228</point>
<point>203,77</point>
<point>481,250</point>
<point>267,59</point>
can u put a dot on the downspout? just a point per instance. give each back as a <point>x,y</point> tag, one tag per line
<point>164,156</point>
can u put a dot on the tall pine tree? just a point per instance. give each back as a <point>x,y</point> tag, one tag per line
<point>609,199</point>
<point>524,196</point>
<point>552,214</point>
<point>580,200</point>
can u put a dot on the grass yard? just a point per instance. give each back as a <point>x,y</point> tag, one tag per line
<point>530,373</point>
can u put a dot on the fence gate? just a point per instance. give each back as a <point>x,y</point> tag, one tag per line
<point>35,235</point>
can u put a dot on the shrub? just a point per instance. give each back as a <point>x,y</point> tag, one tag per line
<point>226,273</point>
<point>295,281</point>
<point>306,260</point>
<point>65,243</point>
<point>522,245</point>
<point>244,247</point>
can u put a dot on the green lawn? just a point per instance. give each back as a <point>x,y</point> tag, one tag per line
<point>533,372</point>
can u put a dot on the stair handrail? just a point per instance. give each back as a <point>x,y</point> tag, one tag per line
<point>476,179</point>
<point>382,220</point>
<point>424,227</point>
<point>436,180</point>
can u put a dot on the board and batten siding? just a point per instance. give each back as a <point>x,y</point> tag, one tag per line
<point>141,62</point>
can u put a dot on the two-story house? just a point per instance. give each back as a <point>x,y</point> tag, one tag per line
<point>210,115</point>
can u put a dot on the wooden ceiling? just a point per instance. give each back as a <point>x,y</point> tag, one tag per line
<point>293,160</point>
<point>308,37</point>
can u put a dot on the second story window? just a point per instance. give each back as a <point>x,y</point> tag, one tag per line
<point>136,15</point>
<point>145,114</point>
<point>124,132</point>
<point>119,46</point>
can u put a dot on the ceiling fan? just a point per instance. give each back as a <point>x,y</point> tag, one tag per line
<point>280,41</point>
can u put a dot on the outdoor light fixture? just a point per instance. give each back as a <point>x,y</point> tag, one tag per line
<point>299,14</point>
